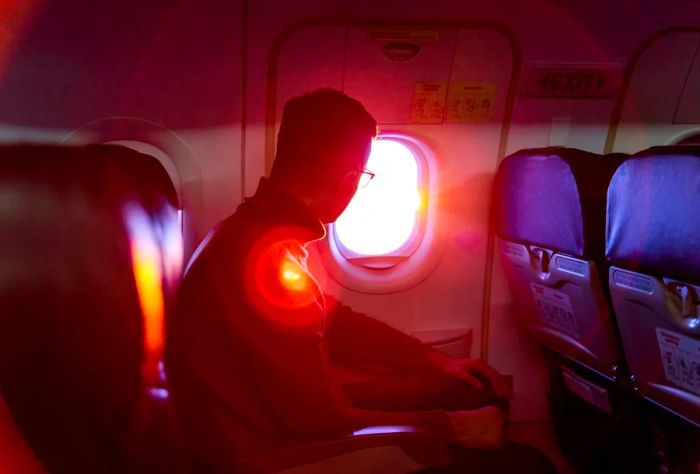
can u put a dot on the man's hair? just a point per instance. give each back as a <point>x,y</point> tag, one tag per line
<point>322,129</point>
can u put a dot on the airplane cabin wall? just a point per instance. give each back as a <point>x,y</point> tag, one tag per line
<point>590,33</point>
<point>164,73</point>
<point>349,58</point>
<point>191,78</point>
<point>661,105</point>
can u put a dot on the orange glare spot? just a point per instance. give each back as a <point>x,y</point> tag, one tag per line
<point>292,277</point>
<point>147,265</point>
<point>419,201</point>
<point>277,283</point>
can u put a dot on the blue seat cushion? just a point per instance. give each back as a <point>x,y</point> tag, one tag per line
<point>654,213</point>
<point>554,198</point>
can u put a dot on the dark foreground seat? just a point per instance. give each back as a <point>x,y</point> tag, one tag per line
<point>88,254</point>
<point>90,257</point>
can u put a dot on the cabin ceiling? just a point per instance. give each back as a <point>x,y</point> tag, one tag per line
<point>182,63</point>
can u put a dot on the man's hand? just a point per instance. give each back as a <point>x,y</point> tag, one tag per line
<point>479,429</point>
<point>469,370</point>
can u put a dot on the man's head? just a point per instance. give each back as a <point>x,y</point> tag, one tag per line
<point>322,147</point>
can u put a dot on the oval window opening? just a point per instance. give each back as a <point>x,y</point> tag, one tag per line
<point>378,228</point>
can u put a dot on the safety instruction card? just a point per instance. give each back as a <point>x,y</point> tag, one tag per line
<point>555,308</point>
<point>681,359</point>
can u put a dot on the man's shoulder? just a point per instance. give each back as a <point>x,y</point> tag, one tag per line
<point>228,242</point>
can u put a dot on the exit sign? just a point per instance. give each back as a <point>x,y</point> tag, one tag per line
<point>572,82</point>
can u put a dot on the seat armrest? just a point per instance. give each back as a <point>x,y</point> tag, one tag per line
<point>421,446</point>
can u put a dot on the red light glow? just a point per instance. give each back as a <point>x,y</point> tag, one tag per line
<point>292,276</point>
<point>278,284</point>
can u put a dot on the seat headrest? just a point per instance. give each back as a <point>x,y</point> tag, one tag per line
<point>72,330</point>
<point>554,198</point>
<point>653,204</point>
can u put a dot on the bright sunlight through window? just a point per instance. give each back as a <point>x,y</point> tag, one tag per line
<point>382,215</point>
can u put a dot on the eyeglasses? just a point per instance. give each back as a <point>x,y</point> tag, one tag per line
<point>365,178</point>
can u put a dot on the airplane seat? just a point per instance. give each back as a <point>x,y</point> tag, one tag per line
<point>653,245</point>
<point>550,224</point>
<point>550,218</point>
<point>80,276</point>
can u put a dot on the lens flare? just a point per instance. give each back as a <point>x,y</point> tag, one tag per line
<point>146,264</point>
<point>168,228</point>
<point>278,284</point>
<point>147,267</point>
<point>292,276</point>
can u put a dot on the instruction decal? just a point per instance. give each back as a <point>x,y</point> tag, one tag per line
<point>555,308</point>
<point>470,102</point>
<point>428,102</point>
<point>680,356</point>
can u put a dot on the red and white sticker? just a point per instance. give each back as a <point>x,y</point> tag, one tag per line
<point>555,308</point>
<point>680,356</point>
<point>428,102</point>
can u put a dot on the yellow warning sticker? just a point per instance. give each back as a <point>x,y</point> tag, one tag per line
<point>470,102</point>
<point>403,34</point>
<point>428,102</point>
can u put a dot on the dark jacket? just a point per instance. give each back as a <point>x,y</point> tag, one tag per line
<point>253,336</point>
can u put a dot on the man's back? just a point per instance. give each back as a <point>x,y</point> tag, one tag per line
<point>245,354</point>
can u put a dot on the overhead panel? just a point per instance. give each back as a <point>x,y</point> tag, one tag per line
<point>400,74</point>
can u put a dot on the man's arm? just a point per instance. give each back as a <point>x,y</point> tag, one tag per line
<point>305,401</point>
<point>357,339</point>
<point>291,376</point>
<point>293,379</point>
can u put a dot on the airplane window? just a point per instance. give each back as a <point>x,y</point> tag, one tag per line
<point>381,225</point>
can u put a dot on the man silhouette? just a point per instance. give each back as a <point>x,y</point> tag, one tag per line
<point>252,345</point>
